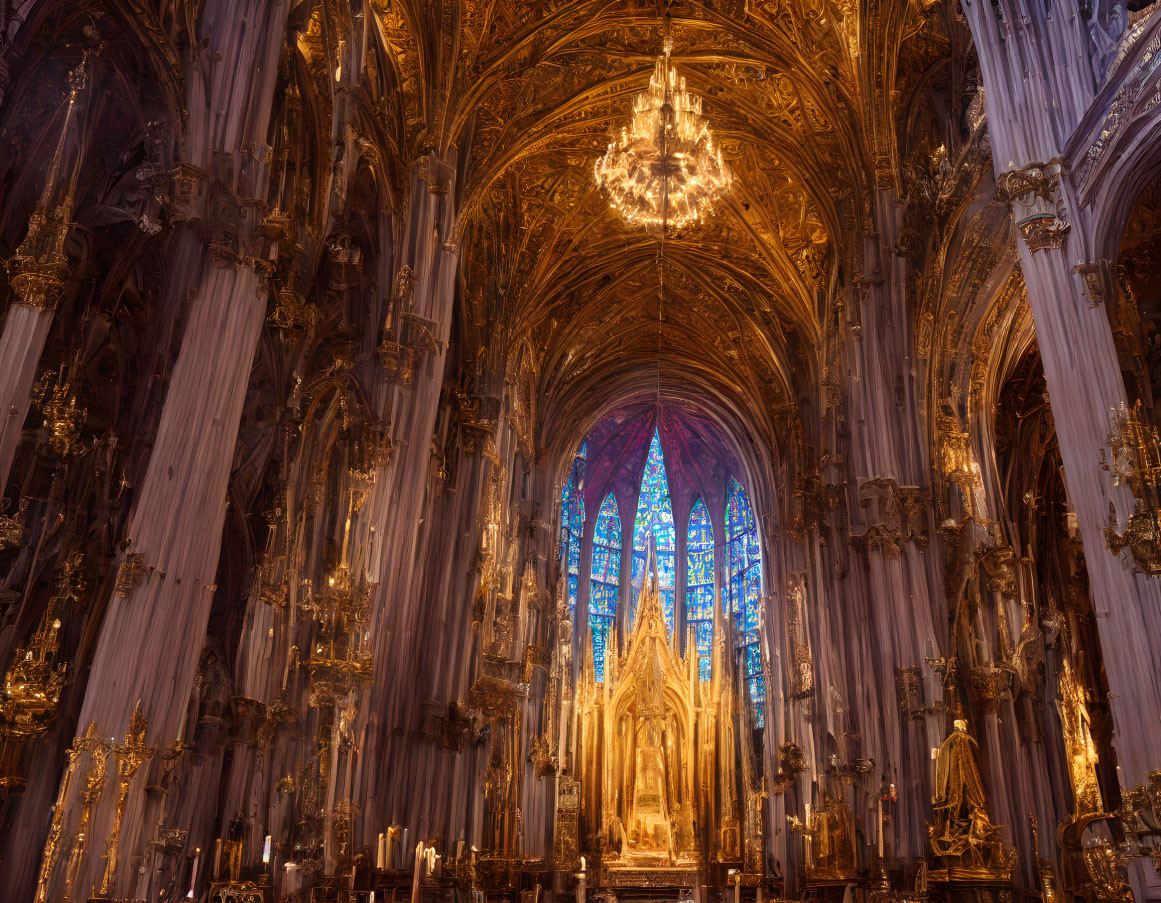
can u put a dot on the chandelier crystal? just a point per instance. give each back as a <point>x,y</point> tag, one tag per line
<point>663,168</point>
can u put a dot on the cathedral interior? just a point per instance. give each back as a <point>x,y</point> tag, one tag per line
<point>580,451</point>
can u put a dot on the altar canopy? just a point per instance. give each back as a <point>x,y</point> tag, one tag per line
<point>658,753</point>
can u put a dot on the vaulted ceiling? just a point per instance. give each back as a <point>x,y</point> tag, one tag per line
<point>816,103</point>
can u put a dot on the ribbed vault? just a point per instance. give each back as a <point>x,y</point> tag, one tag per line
<point>797,101</point>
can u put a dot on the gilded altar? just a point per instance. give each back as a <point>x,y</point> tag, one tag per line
<point>662,784</point>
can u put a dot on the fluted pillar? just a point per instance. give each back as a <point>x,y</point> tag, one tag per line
<point>152,635</point>
<point>901,581</point>
<point>1039,82</point>
<point>393,513</point>
<point>21,345</point>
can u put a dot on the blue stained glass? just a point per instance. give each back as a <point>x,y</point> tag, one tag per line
<point>572,521</point>
<point>756,682</point>
<point>566,496</point>
<point>699,583</point>
<point>606,579</point>
<point>655,518</point>
<point>745,590</point>
<point>575,529</point>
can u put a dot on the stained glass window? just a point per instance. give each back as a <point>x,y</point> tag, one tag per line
<point>699,583</point>
<point>572,522</point>
<point>745,589</point>
<point>605,580</point>
<point>655,518</point>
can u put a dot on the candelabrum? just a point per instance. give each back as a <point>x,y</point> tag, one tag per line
<point>339,661</point>
<point>12,532</point>
<point>63,418</point>
<point>1135,447</point>
<point>29,697</point>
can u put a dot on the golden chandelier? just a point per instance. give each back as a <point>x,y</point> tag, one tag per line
<point>663,169</point>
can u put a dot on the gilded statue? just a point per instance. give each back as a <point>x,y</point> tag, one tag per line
<point>1079,747</point>
<point>961,832</point>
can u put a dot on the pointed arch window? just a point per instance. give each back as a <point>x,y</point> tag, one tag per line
<point>606,580</point>
<point>572,522</point>
<point>745,590</point>
<point>699,583</point>
<point>655,519</point>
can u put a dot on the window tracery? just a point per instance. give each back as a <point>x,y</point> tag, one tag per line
<point>572,521</point>
<point>745,590</point>
<point>655,519</point>
<point>606,580</point>
<point>699,584</point>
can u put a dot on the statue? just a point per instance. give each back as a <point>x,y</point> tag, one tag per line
<point>650,816</point>
<point>1078,742</point>
<point>961,831</point>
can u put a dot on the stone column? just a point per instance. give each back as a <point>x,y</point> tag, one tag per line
<point>1039,82</point>
<point>889,471</point>
<point>38,272</point>
<point>154,627</point>
<point>21,345</point>
<point>394,512</point>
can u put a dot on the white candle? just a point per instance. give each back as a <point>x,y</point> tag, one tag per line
<point>737,888</point>
<point>381,853</point>
<point>266,851</point>
<point>193,872</point>
<point>218,858</point>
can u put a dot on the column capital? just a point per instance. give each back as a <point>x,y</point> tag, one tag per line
<point>1034,195</point>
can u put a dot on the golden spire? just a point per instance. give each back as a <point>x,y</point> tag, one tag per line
<point>39,269</point>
